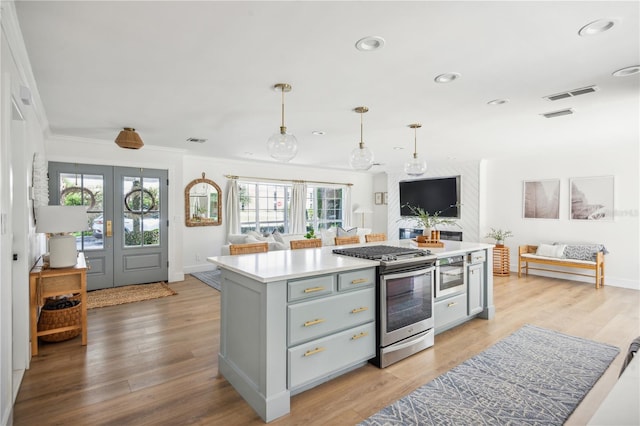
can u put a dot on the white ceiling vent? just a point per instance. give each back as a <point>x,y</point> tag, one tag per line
<point>196,140</point>
<point>571,93</point>
<point>559,113</point>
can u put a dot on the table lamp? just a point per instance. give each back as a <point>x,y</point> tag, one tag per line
<point>58,222</point>
<point>362,211</point>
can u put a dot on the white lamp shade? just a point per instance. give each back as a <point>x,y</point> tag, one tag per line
<point>60,219</point>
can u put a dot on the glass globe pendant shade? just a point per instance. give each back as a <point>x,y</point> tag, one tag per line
<point>415,166</point>
<point>282,146</point>
<point>361,158</point>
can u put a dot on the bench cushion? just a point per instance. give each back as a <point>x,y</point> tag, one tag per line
<point>535,256</point>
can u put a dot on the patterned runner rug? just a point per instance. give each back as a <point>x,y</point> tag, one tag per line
<point>127,294</point>
<point>210,278</point>
<point>534,376</point>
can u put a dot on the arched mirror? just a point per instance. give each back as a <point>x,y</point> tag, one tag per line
<point>203,203</point>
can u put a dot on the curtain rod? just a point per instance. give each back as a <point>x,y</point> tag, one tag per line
<point>286,180</point>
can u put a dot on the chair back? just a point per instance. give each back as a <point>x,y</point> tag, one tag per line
<point>307,243</point>
<point>375,237</point>
<point>248,248</point>
<point>354,239</point>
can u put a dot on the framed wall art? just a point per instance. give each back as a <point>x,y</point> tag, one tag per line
<point>541,199</point>
<point>385,198</point>
<point>591,198</point>
<point>378,197</point>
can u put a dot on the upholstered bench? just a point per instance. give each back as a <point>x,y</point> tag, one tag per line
<point>582,256</point>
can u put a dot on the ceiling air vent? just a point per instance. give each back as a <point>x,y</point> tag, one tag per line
<point>558,113</point>
<point>571,93</point>
<point>196,140</point>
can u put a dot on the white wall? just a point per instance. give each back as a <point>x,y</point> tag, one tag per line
<point>205,241</point>
<point>502,198</point>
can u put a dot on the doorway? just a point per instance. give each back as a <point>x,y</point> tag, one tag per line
<point>127,240</point>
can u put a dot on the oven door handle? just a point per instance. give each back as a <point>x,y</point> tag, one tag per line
<point>415,273</point>
<point>410,342</point>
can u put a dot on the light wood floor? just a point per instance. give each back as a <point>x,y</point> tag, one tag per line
<point>155,362</point>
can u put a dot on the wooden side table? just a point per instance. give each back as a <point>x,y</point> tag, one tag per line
<point>501,261</point>
<point>49,282</point>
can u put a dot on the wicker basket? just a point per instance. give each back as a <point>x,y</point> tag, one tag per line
<point>57,318</point>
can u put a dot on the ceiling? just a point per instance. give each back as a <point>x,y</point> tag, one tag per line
<point>206,69</point>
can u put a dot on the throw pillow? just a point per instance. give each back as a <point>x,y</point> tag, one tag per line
<point>550,250</point>
<point>341,232</point>
<point>278,237</point>
<point>237,238</point>
<point>328,236</point>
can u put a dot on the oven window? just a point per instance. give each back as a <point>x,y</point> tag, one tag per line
<point>408,301</point>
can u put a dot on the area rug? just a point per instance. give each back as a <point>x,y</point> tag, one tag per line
<point>210,278</point>
<point>127,294</point>
<point>534,376</point>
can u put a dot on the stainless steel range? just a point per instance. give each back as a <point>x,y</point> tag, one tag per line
<point>404,300</point>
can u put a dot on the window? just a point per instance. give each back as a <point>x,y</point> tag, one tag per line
<point>265,207</point>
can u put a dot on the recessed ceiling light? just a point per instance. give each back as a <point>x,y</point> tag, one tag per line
<point>633,69</point>
<point>498,102</point>
<point>370,43</point>
<point>318,132</point>
<point>398,148</point>
<point>248,153</point>
<point>196,140</point>
<point>447,77</point>
<point>597,27</point>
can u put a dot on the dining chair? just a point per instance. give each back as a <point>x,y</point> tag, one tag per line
<point>307,243</point>
<point>248,248</point>
<point>375,237</point>
<point>354,239</point>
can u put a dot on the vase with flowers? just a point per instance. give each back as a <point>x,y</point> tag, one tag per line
<point>499,235</point>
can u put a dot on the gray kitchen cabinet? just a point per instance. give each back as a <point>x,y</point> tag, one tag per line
<point>475,288</point>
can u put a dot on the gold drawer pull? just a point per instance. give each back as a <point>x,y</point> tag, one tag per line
<point>362,309</point>
<point>314,351</point>
<point>359,281</point>
<point>359,336</point>
<point>452,304</point>
<point>313,322</point>
<point>312,289</point>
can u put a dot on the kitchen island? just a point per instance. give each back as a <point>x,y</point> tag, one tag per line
<point>292,319</point>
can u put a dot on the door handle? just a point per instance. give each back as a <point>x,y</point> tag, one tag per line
<point>109,231</point>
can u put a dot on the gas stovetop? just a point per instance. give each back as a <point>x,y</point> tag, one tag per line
<point>384,253</point>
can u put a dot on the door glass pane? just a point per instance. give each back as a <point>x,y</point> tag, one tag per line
<point>141,215</point>
<point>78,189</point>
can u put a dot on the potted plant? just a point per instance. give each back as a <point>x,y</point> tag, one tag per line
<point>499,235</point>
<point>428,221</point>
<point>310,234</point>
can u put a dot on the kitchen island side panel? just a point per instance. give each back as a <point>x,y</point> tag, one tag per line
<point>253,343</point>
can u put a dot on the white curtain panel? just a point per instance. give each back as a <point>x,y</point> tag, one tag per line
<point>298,208</point>
<point>233,207</point>
<point>346,210</point>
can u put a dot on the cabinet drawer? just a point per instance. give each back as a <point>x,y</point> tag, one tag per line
<point>310,287</point>
<point>356,279</point>
<point>313,360</point>
<point>315,318</point>
<point>450,310</point>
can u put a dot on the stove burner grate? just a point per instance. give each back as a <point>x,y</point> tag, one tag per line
<point>377,252</point>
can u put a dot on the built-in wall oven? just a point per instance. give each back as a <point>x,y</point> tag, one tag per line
<point>451,276</point>
<point>404,300</point>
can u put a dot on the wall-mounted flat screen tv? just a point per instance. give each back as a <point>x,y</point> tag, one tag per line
<point>432,195</point>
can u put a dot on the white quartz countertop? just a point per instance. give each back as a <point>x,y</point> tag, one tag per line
<point>290,264</point>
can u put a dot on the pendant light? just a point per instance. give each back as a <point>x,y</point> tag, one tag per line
<point>361,158</point>
<point>415,166</point>
<point>129,139</point>
<point>282,146</point>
